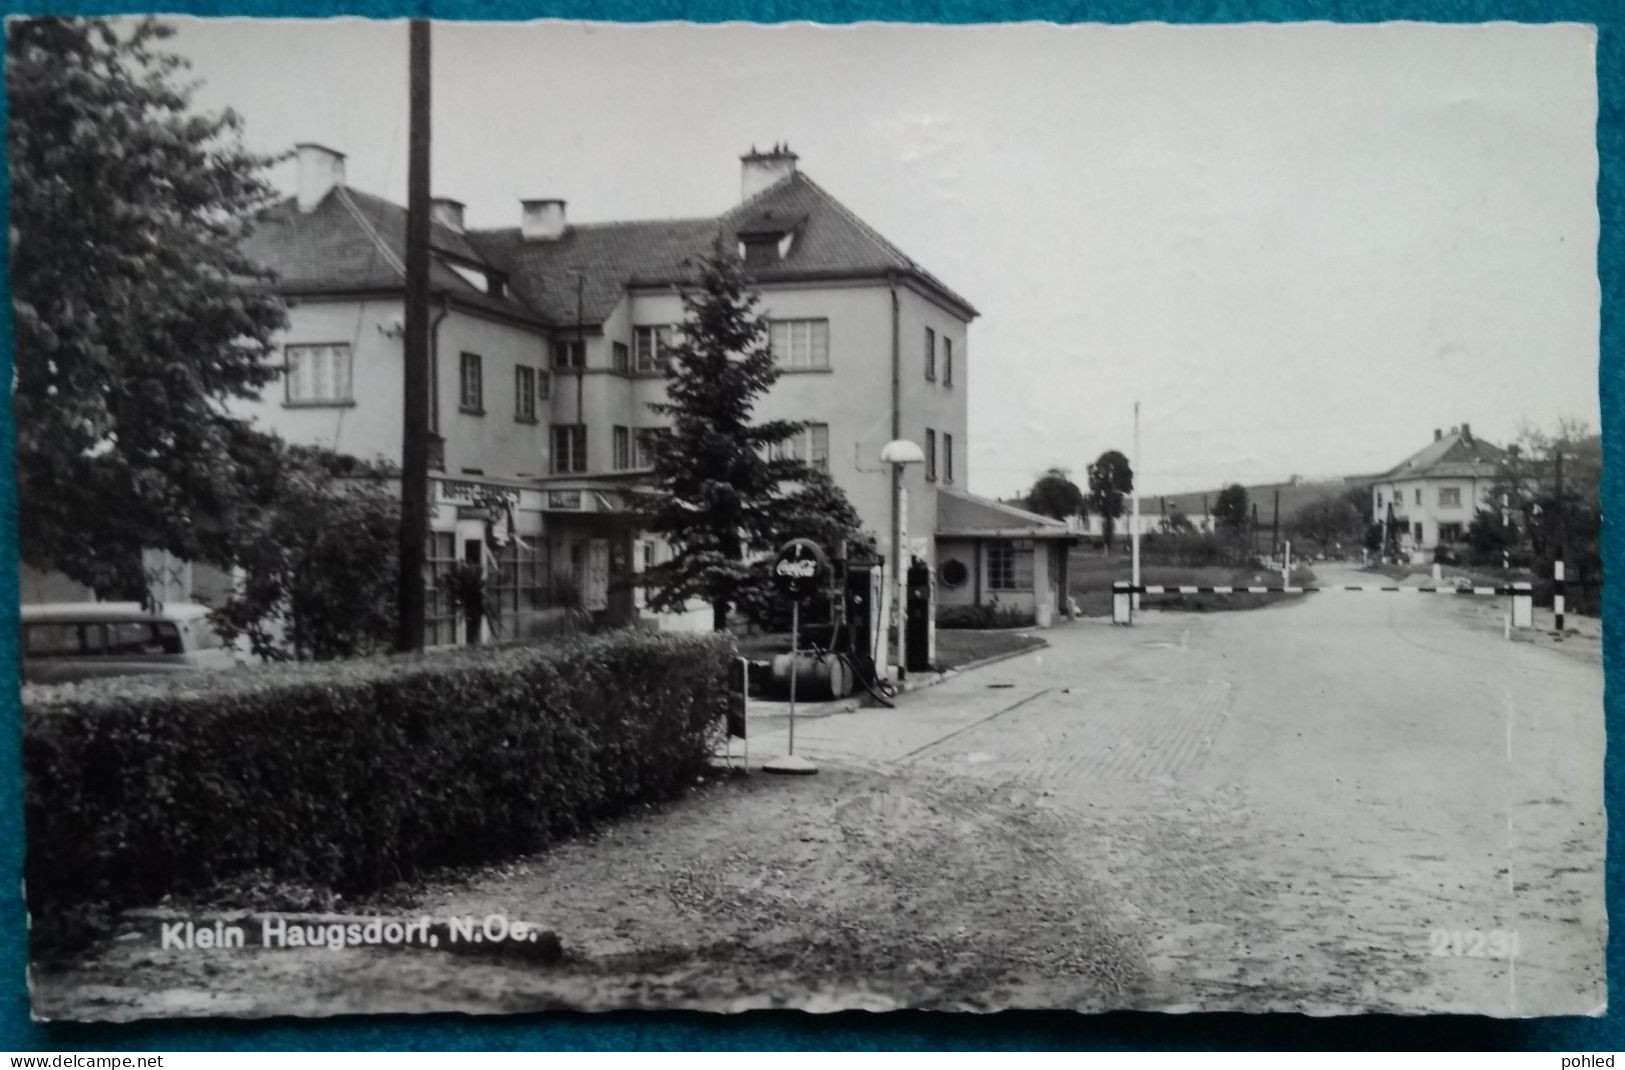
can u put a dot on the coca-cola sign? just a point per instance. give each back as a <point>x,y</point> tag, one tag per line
<point>800,568</point>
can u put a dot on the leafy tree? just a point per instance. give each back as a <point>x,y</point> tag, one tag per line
<point>815,509</point>
<point>1177,523</point>
<point>1230,509</point>
<point>1056,495</point>
<point>1110,478</point>
<point>1329,520</point>
<point>136,316</point>
<point>318,558</point>
<point>726,492</point>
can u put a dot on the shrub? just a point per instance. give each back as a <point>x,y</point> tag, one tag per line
<point>983,616</point>
<point>351,775</point>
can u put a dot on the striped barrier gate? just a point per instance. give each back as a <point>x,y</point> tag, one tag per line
<point>1522,595</point>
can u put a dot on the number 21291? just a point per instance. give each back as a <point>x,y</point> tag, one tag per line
<point>1474,943</point>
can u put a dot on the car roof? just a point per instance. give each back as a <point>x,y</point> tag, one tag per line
<point>74,612</point>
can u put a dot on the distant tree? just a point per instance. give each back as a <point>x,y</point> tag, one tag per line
<point>1230,509</point>
<point>1056,495</point>
<point>1177,523</point>
<point>1329,520</point>
<point>317,555</point>
<point>136,316</point>
<point>1490,535</point>
<point>725,489</point>
<point>1110,478</point>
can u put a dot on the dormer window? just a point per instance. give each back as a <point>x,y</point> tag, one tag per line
<point>490,282</point>
<point>766,238</point>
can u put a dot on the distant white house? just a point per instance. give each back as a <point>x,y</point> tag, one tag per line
<point>1431,497</point>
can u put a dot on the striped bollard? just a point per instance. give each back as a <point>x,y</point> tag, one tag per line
<point>1122,603</point>
<point>1523,605</point>
<point>1557,595</point>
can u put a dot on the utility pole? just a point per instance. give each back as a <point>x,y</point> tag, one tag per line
<point>1134,521</point>
<point>1255,529</point>
<point>1275,525</point>
<point>415,419</point>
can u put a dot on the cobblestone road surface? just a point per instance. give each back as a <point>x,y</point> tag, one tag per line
<point>1358,801</point>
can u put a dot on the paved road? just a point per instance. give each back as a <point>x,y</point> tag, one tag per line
<point>1356,801</point>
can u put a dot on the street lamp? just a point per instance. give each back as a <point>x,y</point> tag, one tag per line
<point>897,453</point>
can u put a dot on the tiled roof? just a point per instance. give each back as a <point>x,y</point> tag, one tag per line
<point>1454,456</point>
<point>597,259</point>
<point>355,241</point>
<point>829,242</point>
<point>959,513</point>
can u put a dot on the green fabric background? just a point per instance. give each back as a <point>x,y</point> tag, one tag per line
<point>861,1030</point>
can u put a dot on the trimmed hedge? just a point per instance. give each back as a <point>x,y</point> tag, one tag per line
<point>354,774</point>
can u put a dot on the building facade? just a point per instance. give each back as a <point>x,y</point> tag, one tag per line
<point>547,345</point>
<point>1432,496</point>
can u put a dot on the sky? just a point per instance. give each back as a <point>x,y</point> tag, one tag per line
<point>1299,247</point>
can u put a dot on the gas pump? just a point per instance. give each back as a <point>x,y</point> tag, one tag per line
<point>919,645</point>
<point>864,630</point>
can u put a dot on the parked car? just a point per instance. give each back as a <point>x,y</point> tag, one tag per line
<point>63,642</point>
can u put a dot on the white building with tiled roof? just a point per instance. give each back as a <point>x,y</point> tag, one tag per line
<point>546,341</point>
<point>1432,496</point>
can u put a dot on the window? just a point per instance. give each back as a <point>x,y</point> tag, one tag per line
<point>62,640</point>
<point>1009,567</point>
<point>524,393</point>
<point>800,343</point>
<point>622,357</point>
<point>930,355</point>
<point>570,355</point>
<point>520,582</point>
<point>947,361</point>
<point>1418,531</point>
<point>651,344</point>
<point>472,395</point>
<point>930,454</point>
<point>544,385</point>
<point>318,374</point>
<point>439,609</point>
<point>1449,497</point>
<point>134,637</point>
<point>569,448</point>
<point>947,457</point>
<point>809,445</point>
<point>622,448</point>
<point>646,441</point>
<point>1450,532</point>
<point>1418,496</point>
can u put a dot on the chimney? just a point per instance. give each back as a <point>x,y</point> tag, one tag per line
<point>320,169</point>
<point>447,212</point>
<point>541,220</point>
<point>759,170</point>
<point>1438,434</point>
<point>1466,432</point>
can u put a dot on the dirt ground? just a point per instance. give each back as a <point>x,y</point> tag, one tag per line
<point>1351,802</point>
<point>853,889</point>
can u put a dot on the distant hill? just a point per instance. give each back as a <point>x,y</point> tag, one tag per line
<point>1295,494</point>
